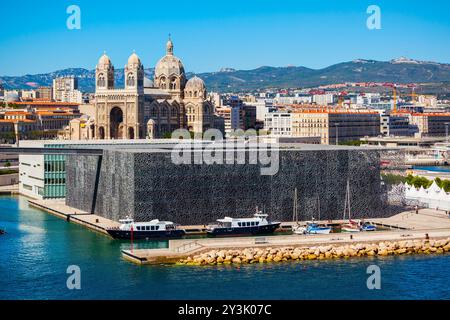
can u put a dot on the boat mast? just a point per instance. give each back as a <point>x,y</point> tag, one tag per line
<point>347,201</point>
<point>349,205</point>
<point>295,208</point>
<point>318,205</point>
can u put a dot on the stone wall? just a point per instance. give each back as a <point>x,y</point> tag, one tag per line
<point>147,185</point>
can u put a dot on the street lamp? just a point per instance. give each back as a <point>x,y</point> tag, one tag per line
<point>337,132</point>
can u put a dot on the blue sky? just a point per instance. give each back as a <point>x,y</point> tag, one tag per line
<point>208,35</point>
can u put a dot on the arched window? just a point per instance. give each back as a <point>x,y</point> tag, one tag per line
<point>195,94</point>
<point>163,83</point>
<point>173,83</point>
<point>101,80</point>
<point>174,112</point>
<point>154,112</point>
<point>164,112</point>
<point>130,80</point>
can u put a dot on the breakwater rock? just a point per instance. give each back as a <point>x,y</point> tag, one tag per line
<point>265,255</point>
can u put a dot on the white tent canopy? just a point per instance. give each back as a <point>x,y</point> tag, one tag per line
<point>433,197</point>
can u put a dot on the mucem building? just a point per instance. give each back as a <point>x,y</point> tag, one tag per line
<point>147,184</point>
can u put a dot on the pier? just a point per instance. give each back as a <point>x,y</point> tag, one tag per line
<point>180,249</point>
<point>404,226</point>
<point>9,190</point>
<point>61,210</point>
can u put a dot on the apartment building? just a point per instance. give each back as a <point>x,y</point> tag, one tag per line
<point>335,125</point>
<point>44,93</point>
<point>65,89</point>
<point>279,124</point>
<point>233,118</point>
<point>432,124</point>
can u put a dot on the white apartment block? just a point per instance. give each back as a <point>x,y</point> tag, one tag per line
<point>368,99</point>
<point>324,99</point>
<point>263,106</point>
<point>427,100</point>
<point>28,94</point>
<point>65,89</point>
<point>279,124</point>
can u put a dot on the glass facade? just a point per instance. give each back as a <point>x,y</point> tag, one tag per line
<point>54,174</point>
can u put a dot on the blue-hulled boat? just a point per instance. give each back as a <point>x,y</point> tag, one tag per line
<point>368,227</point>
<point>311,227</point>
<point>314,228</point>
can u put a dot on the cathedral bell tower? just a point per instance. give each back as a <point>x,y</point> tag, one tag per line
<point>104,74</point>
<point>134,74</point>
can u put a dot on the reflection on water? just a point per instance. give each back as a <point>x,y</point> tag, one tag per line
<point>39,247</point>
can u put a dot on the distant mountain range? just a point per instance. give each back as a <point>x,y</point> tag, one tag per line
<point>402,70</point>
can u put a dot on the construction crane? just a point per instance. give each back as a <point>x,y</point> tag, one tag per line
<point>395,94</point>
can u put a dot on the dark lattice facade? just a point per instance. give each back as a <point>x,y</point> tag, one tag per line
<point>147,185</point>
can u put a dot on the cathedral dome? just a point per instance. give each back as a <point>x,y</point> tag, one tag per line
<point>169,64</point>
<point>134,59</point>
<point>195,84</point>
<point>195,88</point>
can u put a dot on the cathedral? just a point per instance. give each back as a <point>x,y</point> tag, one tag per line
<point>144,108</point>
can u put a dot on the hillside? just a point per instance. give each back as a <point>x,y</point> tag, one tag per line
<point>400,71</point>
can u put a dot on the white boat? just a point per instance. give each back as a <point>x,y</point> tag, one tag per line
<point>145,230</point>
<point>228,226</point>
<point>352,226</point>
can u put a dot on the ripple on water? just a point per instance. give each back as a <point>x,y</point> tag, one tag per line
<point>41,247</point>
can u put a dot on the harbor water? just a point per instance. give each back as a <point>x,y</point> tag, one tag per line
<point>38,248</point>
<point>433,168</point>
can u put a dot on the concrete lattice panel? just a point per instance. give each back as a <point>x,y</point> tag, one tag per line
<point>147,185</point>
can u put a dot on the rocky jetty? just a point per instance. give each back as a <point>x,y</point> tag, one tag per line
<point>265,255</point>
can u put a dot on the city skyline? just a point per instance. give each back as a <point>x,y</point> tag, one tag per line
<point>211,36</point>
